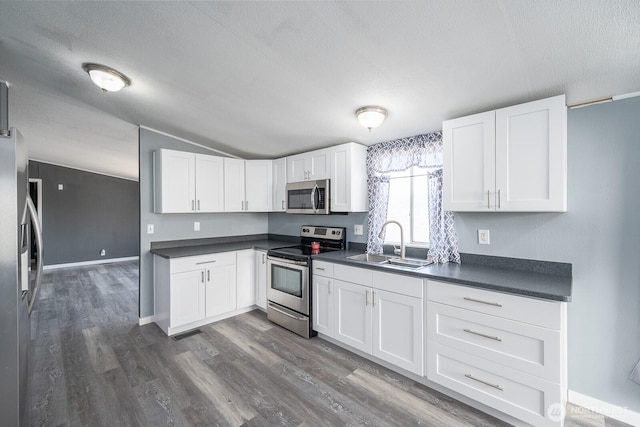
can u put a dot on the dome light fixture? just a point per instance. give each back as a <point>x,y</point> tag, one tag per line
<point>371,116</point>
<point>106,78</point>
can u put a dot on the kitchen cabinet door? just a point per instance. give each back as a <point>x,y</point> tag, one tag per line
<point>348,178</point>
<point>353,315</point>
<point>398,330</point>
<point>220,289</point>
<point>469,163</point>
<point>261,279</point>
<point>297,168</point>
<point>319,164</point>
<point>279,185</point>
<point>246,289</point>
<point>531,152</point>
<point>209,183</point>
<point>233,185</point>
<point>258,185</point>
<point>323,305</point>
<point>187,297</point>
<point>174,177</point>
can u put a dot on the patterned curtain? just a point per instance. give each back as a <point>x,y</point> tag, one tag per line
<point>423,151</point>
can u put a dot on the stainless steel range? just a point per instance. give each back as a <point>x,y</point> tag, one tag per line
<point>289,279</point>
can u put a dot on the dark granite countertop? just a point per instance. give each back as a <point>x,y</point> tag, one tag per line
<point>212,248</point>
<point>530,283</point>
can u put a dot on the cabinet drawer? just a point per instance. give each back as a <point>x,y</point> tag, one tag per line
<point>202,261</point>
<point>521,346</point>
<point>404,285</point>
<point>547,314</point>
<point>361,276</point>
<point>322,268</point>
<point>516,393</point>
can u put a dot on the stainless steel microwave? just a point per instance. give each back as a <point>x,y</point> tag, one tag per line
<point>309,197</point>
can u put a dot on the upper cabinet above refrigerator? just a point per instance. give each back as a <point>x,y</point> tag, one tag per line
<point>509,160</point>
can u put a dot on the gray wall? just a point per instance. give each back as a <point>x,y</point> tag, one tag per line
<point>91,213</point>
<point>178,226</point>
<point>600,236</point>
<point>283,223</point>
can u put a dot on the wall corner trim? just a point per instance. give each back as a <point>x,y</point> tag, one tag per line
<point>605,408</point>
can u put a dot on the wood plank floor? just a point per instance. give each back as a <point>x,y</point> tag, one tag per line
<point>94,366</point>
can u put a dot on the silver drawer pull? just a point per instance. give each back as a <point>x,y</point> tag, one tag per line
<point>204,262</point>
<point>495,304</point>
<point>471,377</point>
<point>320,268</point>
<point>482,335</point>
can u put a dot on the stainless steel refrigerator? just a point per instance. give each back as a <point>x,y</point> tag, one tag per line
<point>18,285</point>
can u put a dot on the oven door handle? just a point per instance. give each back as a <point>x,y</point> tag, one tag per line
<point>285,313</point>
<point>286,261</point>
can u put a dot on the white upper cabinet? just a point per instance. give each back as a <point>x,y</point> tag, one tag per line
<point>512,159</point>
<point>248,185</point>
<point>312,165</point>
<point>234,185</point>
<point>187,182</point>
<point>280,185</point>
<point>258,185</point>
<point>348,178</point>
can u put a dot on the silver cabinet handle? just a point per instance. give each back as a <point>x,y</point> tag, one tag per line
<point>202,276</point>
<point>495,304</point>
<point>498,199</point>
<point>241,205</point>
<point>264,258</point>
<point>246,205</point>
<point>329,282</point>
<point>488,199</point>
<point>480,334</point>
<point>320,268</point>
<point>373,298</point>
<point>205,262</point>
<point>198,204</point>
<point>208,275</point>
<point>193,205</point>
<point>366,298</point>
<point>496,386</point>
<point>283,205</point>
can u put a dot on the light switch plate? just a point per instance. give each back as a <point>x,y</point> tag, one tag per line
<point>357,229</point>
<point>483,237</point>
<point>196,226</point>
<point>149,228</point>
<point>60,187</point>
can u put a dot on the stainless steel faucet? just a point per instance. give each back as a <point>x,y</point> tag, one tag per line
<point>380,235</point>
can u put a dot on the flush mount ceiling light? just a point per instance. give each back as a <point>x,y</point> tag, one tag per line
<point>106,78</point>
<point>371,116</point>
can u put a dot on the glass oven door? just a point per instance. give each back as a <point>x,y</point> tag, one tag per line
<point>288,284</point>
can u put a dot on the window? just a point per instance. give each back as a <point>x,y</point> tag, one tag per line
<point>409,205</point>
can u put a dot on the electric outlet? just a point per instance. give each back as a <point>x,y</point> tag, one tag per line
<point>60,187</point>
<point>196,226</point>
<point>149,228</point>
<point>357,229</point>
<point>103,252</point>
<point>483,237</point>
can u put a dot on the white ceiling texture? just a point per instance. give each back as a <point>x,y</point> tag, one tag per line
<point>267,79</point>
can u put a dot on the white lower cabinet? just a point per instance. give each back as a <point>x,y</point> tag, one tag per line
<point>505,351</point>
<point>261,278</point>
<point>245,278</point>
<point>378,313</point>
<point>192,291</point>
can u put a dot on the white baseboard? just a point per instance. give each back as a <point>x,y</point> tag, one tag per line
<point>94,262</point>
<point>605,408</point>
<point>145,320</point>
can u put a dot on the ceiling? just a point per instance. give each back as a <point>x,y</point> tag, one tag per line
<point>267,79</point>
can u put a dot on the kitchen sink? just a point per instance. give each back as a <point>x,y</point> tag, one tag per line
<point>387,259</point>
<point>371,258</point>
<point>413,263</point>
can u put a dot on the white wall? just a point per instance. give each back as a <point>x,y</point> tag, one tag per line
<point>600,236</point>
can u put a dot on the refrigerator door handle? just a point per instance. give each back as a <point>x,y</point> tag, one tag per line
<point>38,235</point>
